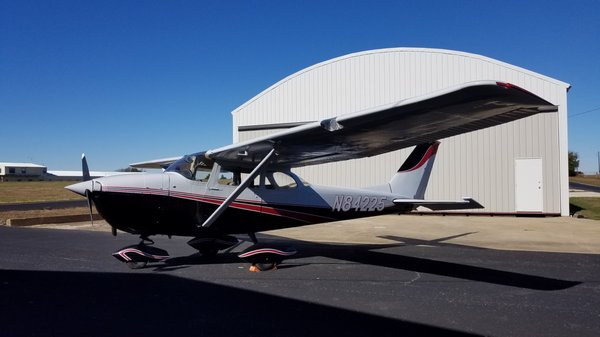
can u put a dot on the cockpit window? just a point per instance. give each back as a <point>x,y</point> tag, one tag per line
<point>194,166</point>
<point>182,166</point>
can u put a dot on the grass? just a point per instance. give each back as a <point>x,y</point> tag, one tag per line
<point>587,207</point>
<point>589,180</point>
<point>33,191</point>
<point>42,213</point>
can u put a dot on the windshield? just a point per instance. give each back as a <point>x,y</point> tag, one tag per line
<point>192,166</point>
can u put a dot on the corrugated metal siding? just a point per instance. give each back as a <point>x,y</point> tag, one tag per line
<point>478,164</point>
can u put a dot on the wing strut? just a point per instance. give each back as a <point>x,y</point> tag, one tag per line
<point>238,190</point>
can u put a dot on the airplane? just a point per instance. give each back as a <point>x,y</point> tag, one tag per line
<point>249,187</point>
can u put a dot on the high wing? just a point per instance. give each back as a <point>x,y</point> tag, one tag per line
<point>456,110</point>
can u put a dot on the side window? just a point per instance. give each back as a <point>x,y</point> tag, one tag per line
<point>225,178</point>
<point>270,180</point>
<point>283,180</point>
<point>202,175</point>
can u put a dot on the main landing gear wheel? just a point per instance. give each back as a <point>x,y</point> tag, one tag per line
<point>258,267</point>
<point>138,256</point>
<point>265,258</point>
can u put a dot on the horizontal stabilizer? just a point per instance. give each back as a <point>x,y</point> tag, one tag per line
<point>441,205</point>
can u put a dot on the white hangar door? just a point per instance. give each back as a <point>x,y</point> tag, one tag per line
<point>529,187</point>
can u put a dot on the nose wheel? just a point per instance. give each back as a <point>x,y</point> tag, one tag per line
<point>136,265</point>
<point>137,256</point>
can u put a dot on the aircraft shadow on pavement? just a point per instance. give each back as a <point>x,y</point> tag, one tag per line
<point>451,269</point>
<point>48,303</point>
<point>370,254</point>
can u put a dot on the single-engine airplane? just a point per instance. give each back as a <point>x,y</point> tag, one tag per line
<point>249,187</point>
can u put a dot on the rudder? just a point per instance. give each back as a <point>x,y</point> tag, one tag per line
<point>411,179</point>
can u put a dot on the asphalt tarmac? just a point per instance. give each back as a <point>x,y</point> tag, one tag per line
<point>60,282</point>
<point>584,187</point>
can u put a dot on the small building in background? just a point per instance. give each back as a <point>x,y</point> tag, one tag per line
<point>35,172</point>
<point>61,175</point>
<point>22,172</point>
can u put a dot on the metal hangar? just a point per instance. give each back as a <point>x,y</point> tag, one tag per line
<point>519,167</point>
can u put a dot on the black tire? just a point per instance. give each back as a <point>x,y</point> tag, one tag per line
<point>136,265</point>
<point>266,266</point>
<point>209,252</point>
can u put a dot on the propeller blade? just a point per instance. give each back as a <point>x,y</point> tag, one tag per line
<point>85,171</point>
<point>88,197</point>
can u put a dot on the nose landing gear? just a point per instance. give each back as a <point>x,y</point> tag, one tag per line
<point>138,256</point>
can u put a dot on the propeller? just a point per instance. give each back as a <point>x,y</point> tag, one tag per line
<point>88,196</point>
<point>85,173</point>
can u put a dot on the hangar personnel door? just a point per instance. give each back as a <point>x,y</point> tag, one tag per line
<point>529,187</point>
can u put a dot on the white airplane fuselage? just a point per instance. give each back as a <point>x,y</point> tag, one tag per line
<point>171,204</point>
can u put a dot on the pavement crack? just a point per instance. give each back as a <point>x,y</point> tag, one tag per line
<point>414,279</point>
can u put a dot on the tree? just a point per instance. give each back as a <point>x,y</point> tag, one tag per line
<point>129,169</point>
<point>573,163</point>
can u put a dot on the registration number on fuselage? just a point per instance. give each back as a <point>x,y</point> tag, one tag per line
<point>358,203</point>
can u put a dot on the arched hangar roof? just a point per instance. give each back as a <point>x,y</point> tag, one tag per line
<point>420,67</point>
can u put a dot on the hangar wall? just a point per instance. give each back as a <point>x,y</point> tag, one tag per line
<point>479,164</point>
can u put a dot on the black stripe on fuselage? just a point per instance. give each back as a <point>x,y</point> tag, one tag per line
<point>151,213</point>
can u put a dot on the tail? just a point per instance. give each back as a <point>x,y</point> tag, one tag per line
<point>411,179</point>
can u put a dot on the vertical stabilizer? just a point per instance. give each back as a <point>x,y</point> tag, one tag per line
<point>411,179</point>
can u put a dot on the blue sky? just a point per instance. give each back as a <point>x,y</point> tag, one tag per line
<point>127,81</point>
